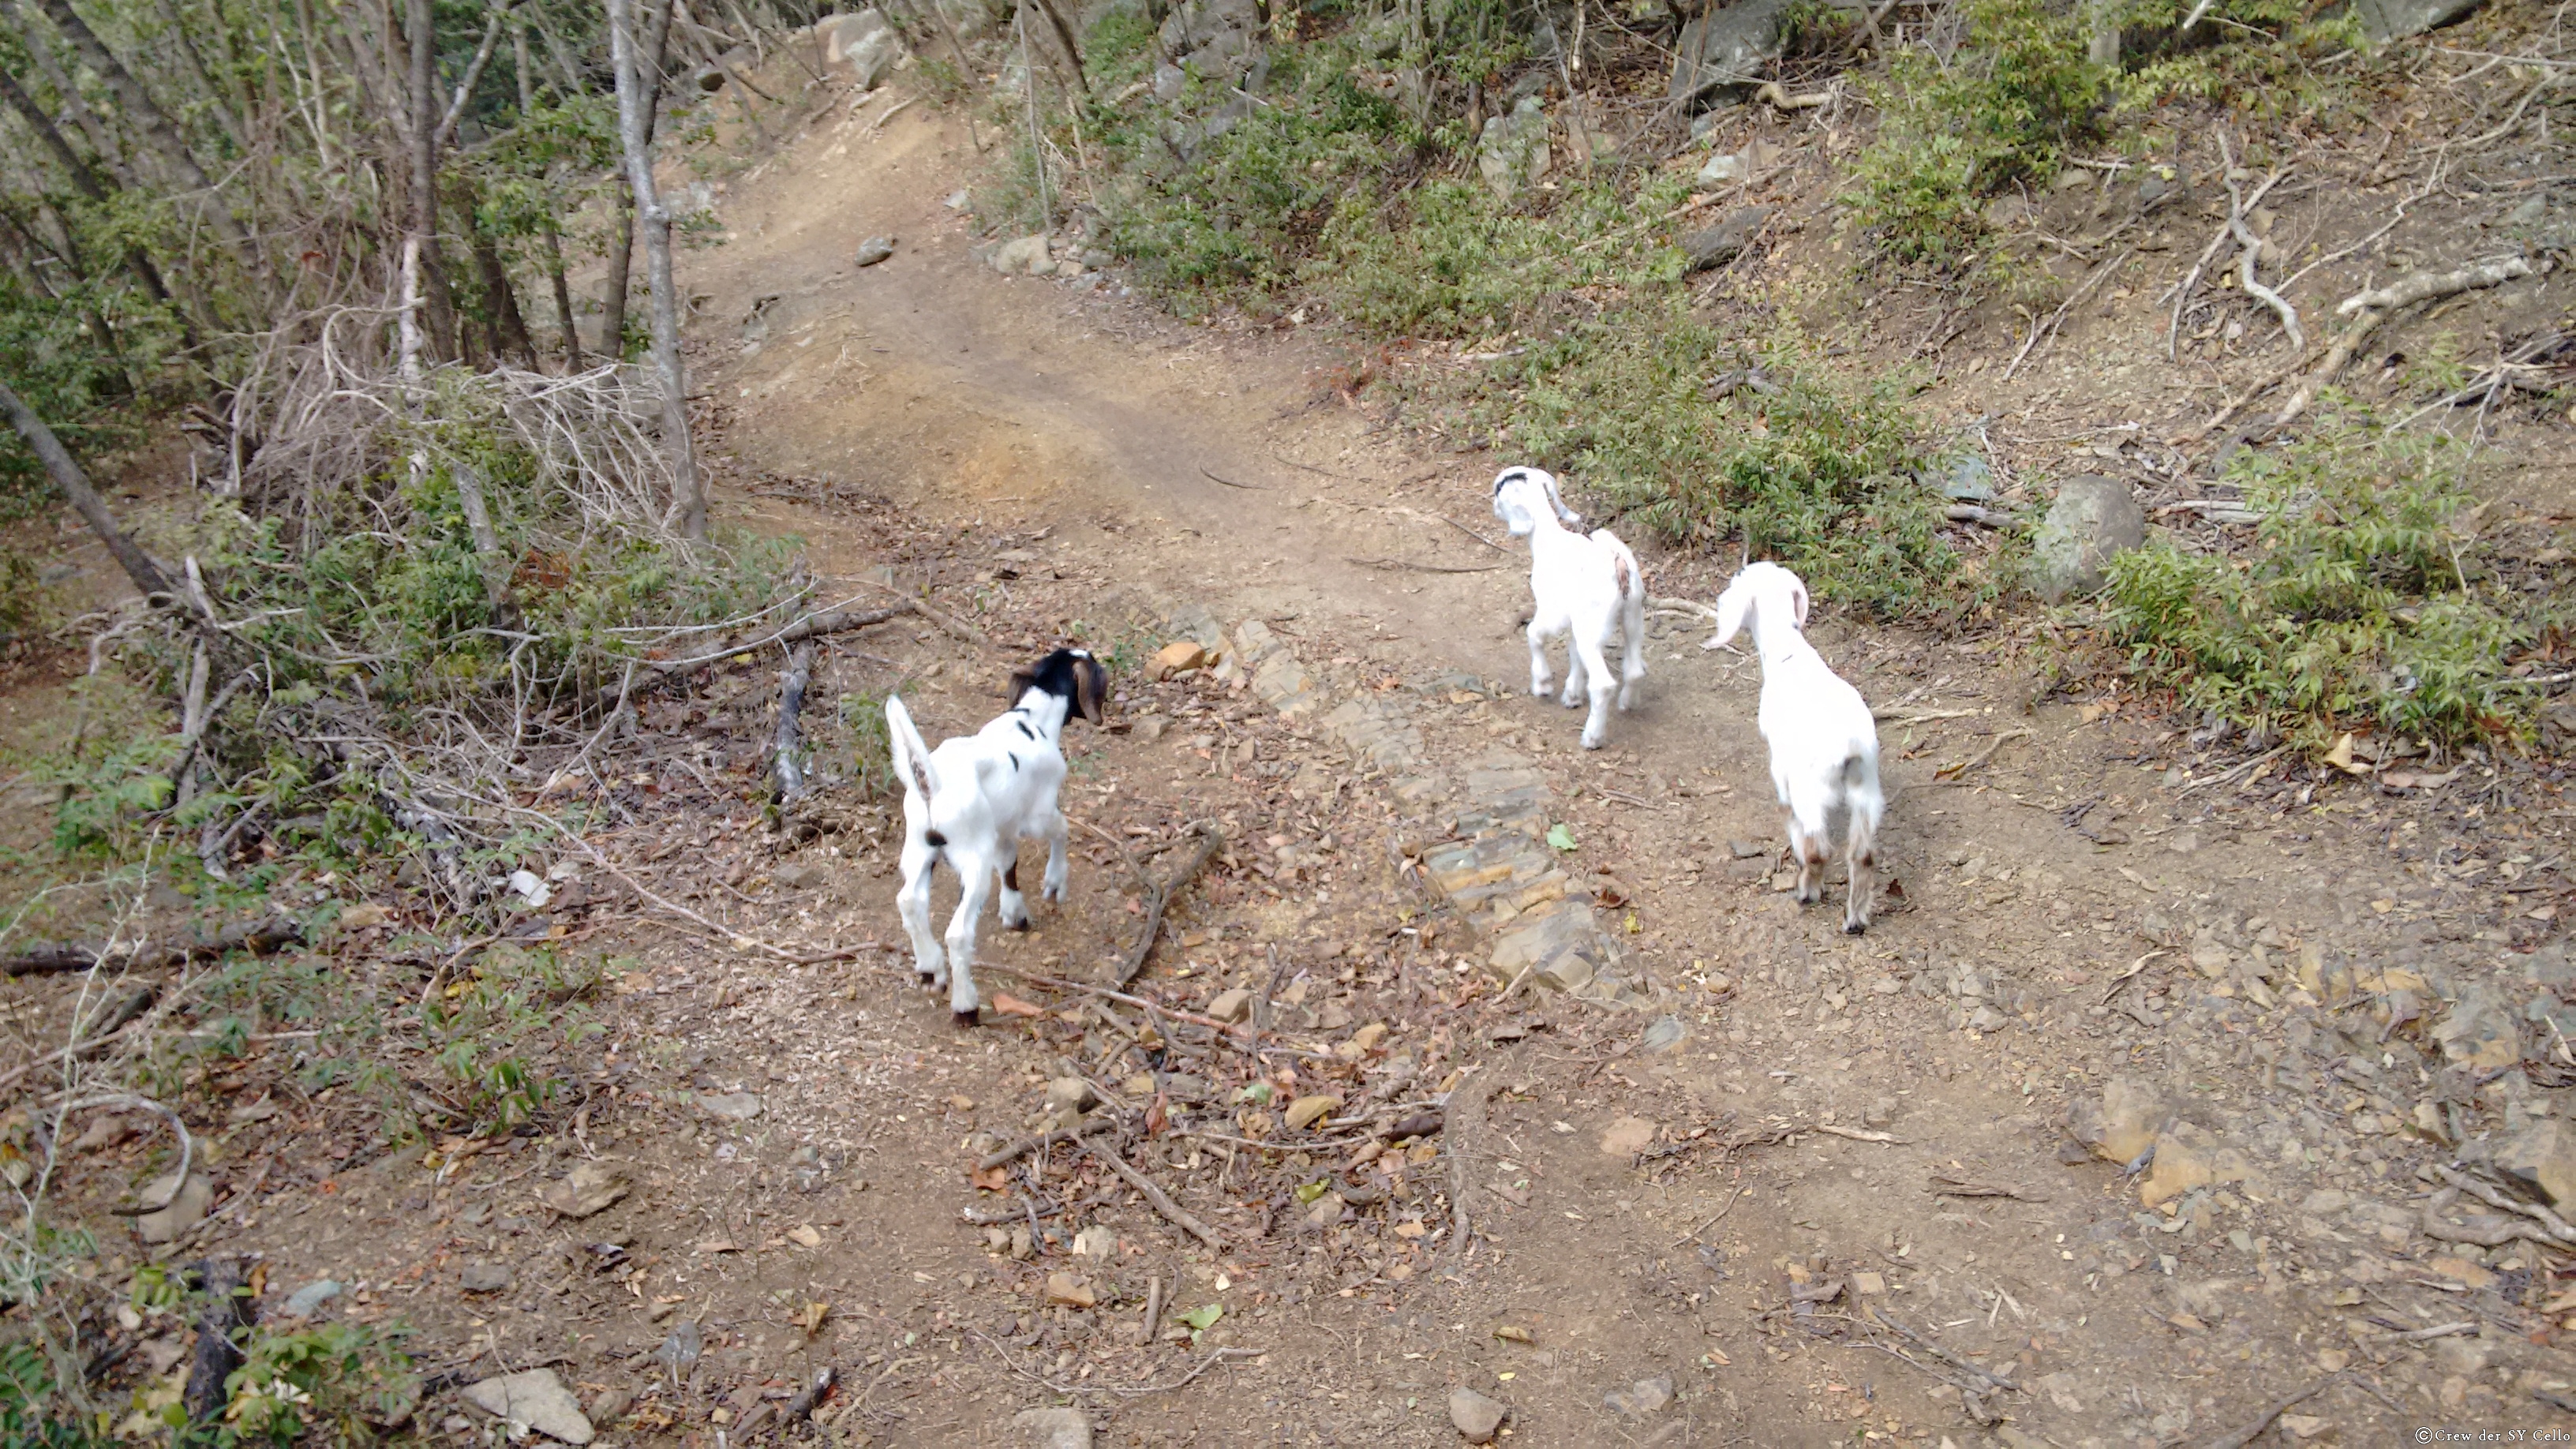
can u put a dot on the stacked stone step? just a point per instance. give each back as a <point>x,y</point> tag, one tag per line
<point>1497,868</point>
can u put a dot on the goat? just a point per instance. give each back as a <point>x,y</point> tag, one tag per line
<point>1824,744</point>
<point>1583,587</point>
<point>974,799</point>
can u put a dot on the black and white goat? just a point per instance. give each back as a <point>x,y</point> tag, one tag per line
<point>1824,744</point>
<point>974,799</point>
<point>1588,588</point>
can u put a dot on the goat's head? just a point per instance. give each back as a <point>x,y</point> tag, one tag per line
<point>1522,495</point>
<point>1758,591</point>
<point>1071,675</point>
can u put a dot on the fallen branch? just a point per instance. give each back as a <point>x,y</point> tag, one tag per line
<point>1956,771</point>
<point>259,938</point>
<point>1160,895</point>
<point>1230,483</point>
<point>1856,1134</point>
<point>2243,231</point>
<point>2557,1226</point>
<point>2049,329</point>
<point>2424,286</point>
<point>1161,1200</point>
<point>938,618</point>
<point>1982,517</point>
<point>228,1308</point>
<point>2232,771</point>
<point>1770,91</point>
<point>1923,716</point>
<point>1154,1008</point>
<point>1034,1141</point>
<point>1955,1361</point>
<point>2191,279</point>
<point>1393,565</point>
<point>1944,1185</point>
<point>2254,1430</point>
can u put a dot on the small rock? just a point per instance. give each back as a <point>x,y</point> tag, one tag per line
<point>997,1240</point>
<point>1023,1246</point>
<point>2305,1426</point>
<point>1715,246</point>
<point>1512,151</point>
<point>1664,1035</point>
<point>535,1400</point>
<point>680,1352</point>
<point>1475,1416</point>
<point>1641,1399</point>
<point>184,1208</point>
<point>734,1106</point>
<point>1070,1291</point>
<point>956,201</point>
<point>363,915</point>
<point>2480,1031</point>
<point>610,1406</point>
<point>1232,1004</point>
<point>1324,1212</point>
<point>1149,729</point>
<point>1026,255</point>
<point>874,250</point>
<point>1745,850</point>
<point>1305,1112</point>
<point>2122,1124</point>
<point>1627,1137</point>
<point>2542,1158</point>
<point>1070,1094</point>
<point>1053,1429</point>
<point>1987,1019</point>
<point>481,1277</point>
<point>1879,1113</point>
<point>108,1131</point>
<point>1967,478</point>
<point>2093,519</point>
<point>1179,657</point>
<point>306,1301</point>
<point>1367,1037</point>
<point>1097,1241</point>
<point>591,1187</point>
<point>797,876</point>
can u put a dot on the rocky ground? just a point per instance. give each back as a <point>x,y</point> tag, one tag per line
<point>1476,1086</point>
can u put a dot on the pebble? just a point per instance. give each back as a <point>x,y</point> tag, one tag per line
<point>1475,1416</point>
<point>610,1406</point>
<point>679,1352</point>
<point>1053,1428</point>
<point>736,1106</point>
<point>536,1400</point>
<point>1641,1399</point>
<point>1070,1291</point>
<point>480,1277</point>
<point>874,250</point>
<point>1627,1137</point>
<point>304,1302</point>
<point>184,1208</point>
<point>1231,1005</point>
<point>590,1188</point>
<point>1666,1033</point>
<point>797,876</point>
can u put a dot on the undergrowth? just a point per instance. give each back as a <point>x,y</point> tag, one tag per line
<point>2368,600</point>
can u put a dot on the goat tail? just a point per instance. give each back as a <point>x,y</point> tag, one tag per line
<point>911,754</point>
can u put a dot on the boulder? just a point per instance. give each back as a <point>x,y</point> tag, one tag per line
<point>2093,519</point>
<point>1026,254</point>
<point>1733,46</point>
<point>1512,152</point>
<point>1715,246</point>
<point>2387,20</point>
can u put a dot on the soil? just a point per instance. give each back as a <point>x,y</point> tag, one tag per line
<point>1843,1205</point>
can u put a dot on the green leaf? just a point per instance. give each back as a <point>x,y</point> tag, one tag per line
<point>1308,1192</point>
<point>1256,1092</point>
<point>1560,837</point>
<point>1202,1319</point>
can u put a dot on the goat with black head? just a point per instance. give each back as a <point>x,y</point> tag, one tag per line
<point>974,799</point>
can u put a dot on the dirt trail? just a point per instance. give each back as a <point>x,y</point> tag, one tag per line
<point>1842,1205</point>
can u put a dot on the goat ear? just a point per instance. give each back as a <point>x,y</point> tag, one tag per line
<point>1731,608</point>
<point>1090,689</point>
<point>1798,601</point>
<point>1022,681</point>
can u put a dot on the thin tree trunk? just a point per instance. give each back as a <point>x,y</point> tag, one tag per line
<point>1064,40</point>
<point>554,245</point>
<point>100,139</point>
<point>67,476</point>
<point>621,254</point>
<point>509,329</point>
<point>180,33</point>
<point>147,117</point>
<point>422,25</point>
<point>83,179</point>
<point>634,108</point>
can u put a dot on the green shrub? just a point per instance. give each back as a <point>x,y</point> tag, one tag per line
<point>2362,604</point>
<point>1815,473</point>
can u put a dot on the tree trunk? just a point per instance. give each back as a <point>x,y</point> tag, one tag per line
<point>147,118</point>
<point>1064,41</point>
<point>67,476</point>
<point>634,123</point>
<point>215,101</point>
<point>83,179</point>
<point>509,329</point>
<point>100,140</point>
<point>422,25</point>
<point>621,261</point>
<point>554,245</point>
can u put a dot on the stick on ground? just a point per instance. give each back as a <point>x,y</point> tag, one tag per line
<point>1161,1200</point>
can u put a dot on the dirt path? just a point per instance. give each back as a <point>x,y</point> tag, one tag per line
<point>1810,1189</point>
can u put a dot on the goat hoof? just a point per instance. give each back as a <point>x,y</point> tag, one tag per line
<point>968,1019</point>
<point>1022,924</point>
<point>1855,928</point>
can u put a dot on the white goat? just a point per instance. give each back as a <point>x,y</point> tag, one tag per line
<point>1824,745</point>
<point>974,799</point>
<point>1584,587</point>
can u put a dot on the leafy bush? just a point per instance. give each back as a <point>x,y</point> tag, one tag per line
<point>343,1382</point>
<point>2359,606</point>
<point>33,1412</point>
<point>1817,474</point>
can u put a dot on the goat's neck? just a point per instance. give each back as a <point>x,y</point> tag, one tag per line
<point>1046,711</point>
<point>1777,641</point>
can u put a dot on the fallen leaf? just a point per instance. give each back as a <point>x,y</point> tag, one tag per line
<point>1560,837</point>
<point>2341,758</point>
<point>991,1179</point>
<point>1510,1334</point>
<point>718,1245</point>
<point>1203,1318</point>
<point>1009,1005</point>
<point>807,1235</point>
<point>815,1313</point>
